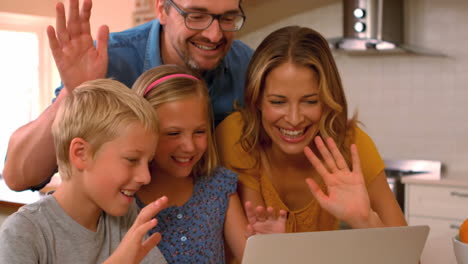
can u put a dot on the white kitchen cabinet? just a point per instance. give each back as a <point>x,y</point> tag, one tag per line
<point>443,206</point>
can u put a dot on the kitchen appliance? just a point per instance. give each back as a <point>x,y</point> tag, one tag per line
<point>398,169</point>
<point>373,27</point>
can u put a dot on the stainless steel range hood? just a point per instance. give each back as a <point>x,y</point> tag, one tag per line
<point>373,27</point>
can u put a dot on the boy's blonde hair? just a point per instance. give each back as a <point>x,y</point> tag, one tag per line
<point>97,111</point>
<point>178,88</point>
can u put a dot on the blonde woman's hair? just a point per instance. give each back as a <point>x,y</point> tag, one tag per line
<point>178,88</point>
<point>97,111</point>
<point>302,47</point>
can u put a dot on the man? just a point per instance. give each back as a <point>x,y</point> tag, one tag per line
<point>195,33</point>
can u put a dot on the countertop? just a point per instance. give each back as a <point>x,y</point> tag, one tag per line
<point>12,199</point>
<point>453,179</point>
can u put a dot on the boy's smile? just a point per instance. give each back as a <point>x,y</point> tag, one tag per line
<point>122,166</point>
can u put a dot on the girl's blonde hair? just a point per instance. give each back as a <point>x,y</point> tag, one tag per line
<point>177,88</point>
<point>97,111</point>
<point>303,47</point>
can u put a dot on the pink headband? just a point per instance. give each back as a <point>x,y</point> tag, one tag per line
<point>160,80</point>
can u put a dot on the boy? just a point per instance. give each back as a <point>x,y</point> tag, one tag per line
<point>105,135</point>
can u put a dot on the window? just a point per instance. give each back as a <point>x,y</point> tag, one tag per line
<point>28,72</point>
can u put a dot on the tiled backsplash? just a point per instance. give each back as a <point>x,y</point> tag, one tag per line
<point>414,107</point>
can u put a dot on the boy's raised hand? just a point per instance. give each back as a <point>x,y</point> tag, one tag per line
<point>75,55</point>
<point>347,198</point>
<point>264,221</point>
<point>132,248</point>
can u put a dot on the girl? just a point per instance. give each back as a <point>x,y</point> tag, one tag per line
<point>204,206</point>
<point>293,98</point>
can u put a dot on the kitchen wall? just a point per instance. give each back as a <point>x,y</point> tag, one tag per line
<point>414,107</point>
<point>27,7</point>
<point>117,16</point>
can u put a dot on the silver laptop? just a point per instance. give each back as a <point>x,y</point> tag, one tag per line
<point>390,245</point>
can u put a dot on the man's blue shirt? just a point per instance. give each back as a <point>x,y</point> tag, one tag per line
<point>136,50</point>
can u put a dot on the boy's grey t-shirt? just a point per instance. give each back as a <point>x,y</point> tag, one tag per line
<point>42,232</point>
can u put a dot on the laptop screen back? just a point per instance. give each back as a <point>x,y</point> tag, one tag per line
<point>402,245</point>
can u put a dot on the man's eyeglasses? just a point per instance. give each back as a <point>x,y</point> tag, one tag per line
<point>201,21</point>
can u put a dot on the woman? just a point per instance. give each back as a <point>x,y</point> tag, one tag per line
<point>293,99</point>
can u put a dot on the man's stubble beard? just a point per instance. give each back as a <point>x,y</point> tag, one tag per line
<point>191,63</point>
<point>194,66</point>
